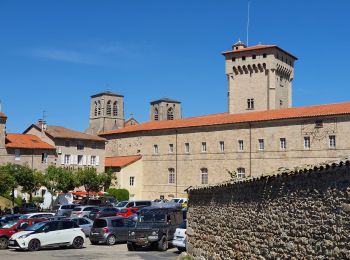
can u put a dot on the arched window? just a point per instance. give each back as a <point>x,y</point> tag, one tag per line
<point>109,108</point>
<point>171,175</point>
<point>156,115</point>
<point>95,109</point>
<point>240,172</point>
<point>99,107</point>
<point>115,108</point>
<point>170,114</point>
<point>204,176</point>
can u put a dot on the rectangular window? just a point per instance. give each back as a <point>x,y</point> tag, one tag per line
<point>204,176</point>
<point>233,59</point>
<point>80,159</point>
<point>243,57</point>
<point>250,103</point>
<point>67,159</point>
<point>93,160</point>
<point>241,173</point>
<point>171,175</point>
<point>261,144</point>
<point>44,158</point>
<point>319,124</point>
<point>204,147</point>
<point>283,144</point>
<point>67,143</point>
<point>17,154</point>
<point>307,142</point>
<point>94,145</point>
<point>132,181</point>
<point>264,55</point>
<point>222,146</point>
<point>80,145</point>
<point>240,145</point>
<point>155,149</point>
<point>187,147</point>
<point>254,57</point>
<point>171,148</point>
<point>332,142</point>
<point>281,103</point>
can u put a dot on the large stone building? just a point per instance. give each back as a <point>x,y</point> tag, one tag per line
<point>260,133</point>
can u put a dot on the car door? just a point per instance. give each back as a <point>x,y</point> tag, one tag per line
<point>65,231</point>
<point>85,225</point>
<point>120,229</point>
<point>49,234</point>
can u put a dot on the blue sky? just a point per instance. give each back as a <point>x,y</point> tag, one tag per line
<point>55,54</point>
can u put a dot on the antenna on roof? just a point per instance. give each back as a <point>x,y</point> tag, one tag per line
<point>248,24</point>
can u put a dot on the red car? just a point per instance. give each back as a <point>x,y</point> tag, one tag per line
<point>12,227</point>
<point>126,212</point>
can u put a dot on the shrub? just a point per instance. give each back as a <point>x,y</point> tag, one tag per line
<point>38,200</point>
<point>119,194</point>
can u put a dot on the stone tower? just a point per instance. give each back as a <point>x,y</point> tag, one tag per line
<point>259,78</point>
<point>165,109</point>
<point>106,112</point>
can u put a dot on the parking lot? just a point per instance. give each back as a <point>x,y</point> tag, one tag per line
<point>89,251</point>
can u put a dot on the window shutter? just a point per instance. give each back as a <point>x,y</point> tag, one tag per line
<point>84,159</point>
<point>75,159</point>
<point>62,159</point>
<point>88,159</point>
<point>97,160</point>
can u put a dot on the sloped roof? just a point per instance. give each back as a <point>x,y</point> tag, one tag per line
<point>258,47</point>
<point>107,93</point>
<point>2,115</point>
<point>121,161</point>
<point>225,118</point>
<point>26,141</point>
<point>165,100</point>
<point>62,132</point>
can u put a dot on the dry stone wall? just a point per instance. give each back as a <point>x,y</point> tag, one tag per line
<point>304,215</point>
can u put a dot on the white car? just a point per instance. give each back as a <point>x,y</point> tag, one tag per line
<point>37,215</point>
<point>180,238</point>
<point>48,234</point>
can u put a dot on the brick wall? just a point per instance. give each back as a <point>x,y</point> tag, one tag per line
<point>295,215</point>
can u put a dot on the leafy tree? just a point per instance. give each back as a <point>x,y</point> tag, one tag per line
<point>7,181</point>
<point>107,178</point>
<point>90,179</point>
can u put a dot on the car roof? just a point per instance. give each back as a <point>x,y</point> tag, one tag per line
<point>113,217</point>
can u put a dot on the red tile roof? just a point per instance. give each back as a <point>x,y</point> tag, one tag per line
<point>225,118</point>
<point>62,132</point>
<point>258,47</point>
<point>121,161</point>
<point>2,115</point>
<point>25,141</point>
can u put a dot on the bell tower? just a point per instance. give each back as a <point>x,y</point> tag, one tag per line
<point>106,112</point>
<point>259,78</point>
<point>165,109</point>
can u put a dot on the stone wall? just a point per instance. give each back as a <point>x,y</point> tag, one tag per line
<point>303,215</point>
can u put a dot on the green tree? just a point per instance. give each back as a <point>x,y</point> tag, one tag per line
<point>107,178</point>
<point>7,181</point>
<point>119,194</point>
<point>90,180</point>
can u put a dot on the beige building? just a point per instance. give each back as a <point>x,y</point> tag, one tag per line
<point>261,133</point>
<point>74,149</point>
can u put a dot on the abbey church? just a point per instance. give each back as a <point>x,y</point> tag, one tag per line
<point>260,133</point>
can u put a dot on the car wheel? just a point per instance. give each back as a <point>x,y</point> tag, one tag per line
<point>163,244</point>
<point>111,239</point>
<point>130,246</point>
<point>34,245</point>
<point>78,242</point>
<point>4,242</point>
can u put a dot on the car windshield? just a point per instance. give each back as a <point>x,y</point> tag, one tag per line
<point>122,203</point>
<point>24,217</point>
<point>77,209</point>
<point>175,200</point>
<point>35,227</point>
<point>152,217</point>
<point>9,224</point>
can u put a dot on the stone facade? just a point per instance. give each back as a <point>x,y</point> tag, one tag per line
<point>165,109</point>
<point>106,112</point>
<point>301,215</point>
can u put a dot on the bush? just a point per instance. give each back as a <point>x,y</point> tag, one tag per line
<point>18,200</point>
<point>38,200</point>
<point>119,194</point>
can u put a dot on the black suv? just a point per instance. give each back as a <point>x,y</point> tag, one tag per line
<point>155,227</point>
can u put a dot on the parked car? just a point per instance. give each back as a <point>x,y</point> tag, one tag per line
<point>133,203</point>
<point>106,201</point>
<point>13,227</point>
<point>37,215</point>
<point>103,212</point>
<point>26,208</point>
<point>7,218</point>
<point>48,234</point>
<point>84,223</point>
<point>180,237</point>
<point>126,212</point>
<point>182,201</point>
<point>82,211</point>
<point>155,227</point>
<point>109,230</point>
<point>66,210</point>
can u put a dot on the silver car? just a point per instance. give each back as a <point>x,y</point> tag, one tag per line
<point>66,210</point>
<point>82,211</point>
<point>84,223</point>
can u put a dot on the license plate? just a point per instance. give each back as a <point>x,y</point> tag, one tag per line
<point>11,242</point>
<point>153,237</point>
<point>95,233</point>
